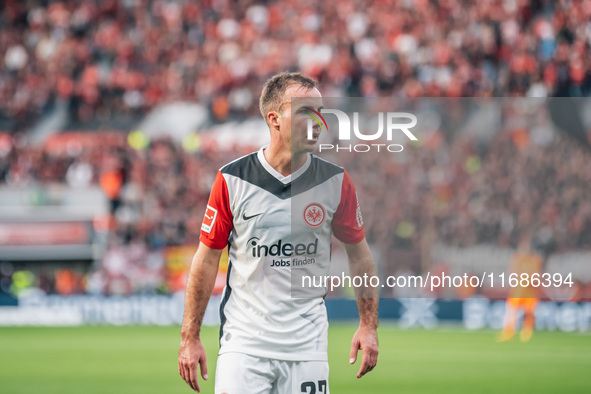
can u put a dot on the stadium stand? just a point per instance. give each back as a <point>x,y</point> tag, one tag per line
<point>110,63</point>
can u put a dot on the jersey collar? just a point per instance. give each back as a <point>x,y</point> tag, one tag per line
<point>283,179</point>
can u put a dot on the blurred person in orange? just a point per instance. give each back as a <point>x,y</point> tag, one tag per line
<point>525,263</point>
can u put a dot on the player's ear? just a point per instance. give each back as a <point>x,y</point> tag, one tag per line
<point>273,119</point>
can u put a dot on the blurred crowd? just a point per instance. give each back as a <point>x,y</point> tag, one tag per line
<point>157,196</point>
<point>106,58</point>
<point>464,190</point>
<point>109,58</point>
<point>469,193</point>
<point>461,193</point>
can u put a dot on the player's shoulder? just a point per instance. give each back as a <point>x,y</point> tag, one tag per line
<point>241,165</point>
<point>324,168</point>
<point>318,173</point>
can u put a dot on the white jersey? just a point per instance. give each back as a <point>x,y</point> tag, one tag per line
<point>275,226</point>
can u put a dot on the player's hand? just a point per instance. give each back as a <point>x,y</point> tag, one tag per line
<point>366,340</point>
<point>191,355</point>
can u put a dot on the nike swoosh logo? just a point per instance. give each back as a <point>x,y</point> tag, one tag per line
<point>250,217</point>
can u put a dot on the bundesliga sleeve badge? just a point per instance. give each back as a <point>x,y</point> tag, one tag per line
<point>209,219</point>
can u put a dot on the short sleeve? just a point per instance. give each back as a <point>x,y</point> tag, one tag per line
<point>347,223</point>
<point>218,219</point>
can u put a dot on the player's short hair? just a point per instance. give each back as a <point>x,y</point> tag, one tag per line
<point>276,86</point>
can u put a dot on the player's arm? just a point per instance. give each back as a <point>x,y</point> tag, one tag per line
<point>347,226</point>
<point>200,285</point>
<point>216,227</point>
<point>366,338</point>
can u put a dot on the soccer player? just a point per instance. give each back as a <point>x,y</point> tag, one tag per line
<point>525,261</point>
<point>270,341</point>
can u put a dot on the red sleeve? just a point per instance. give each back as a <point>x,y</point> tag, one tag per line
<point>347,223</point>
<point>217,222</point>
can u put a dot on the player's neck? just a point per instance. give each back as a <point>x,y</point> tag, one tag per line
<point>284,162</point>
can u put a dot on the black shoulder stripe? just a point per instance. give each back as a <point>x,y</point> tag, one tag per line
<point>319,172</point>
<point>250,170</point>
